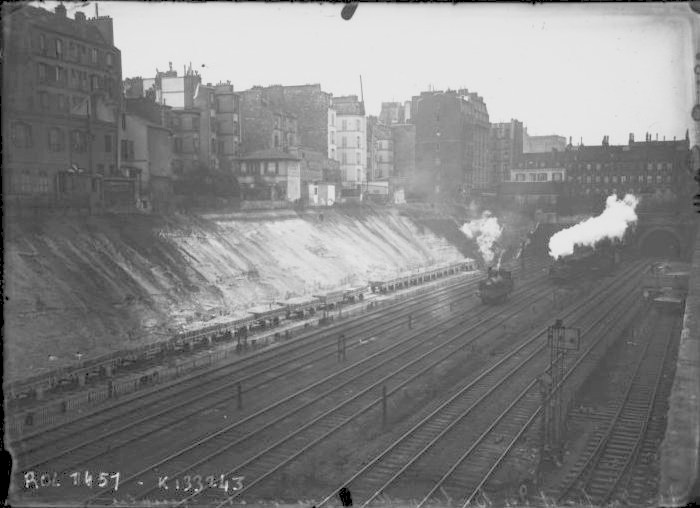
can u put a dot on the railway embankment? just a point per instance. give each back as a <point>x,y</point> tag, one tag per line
<point>81,287</point>
<point>680,449</point>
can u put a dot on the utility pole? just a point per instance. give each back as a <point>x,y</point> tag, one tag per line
<point>560,340</point>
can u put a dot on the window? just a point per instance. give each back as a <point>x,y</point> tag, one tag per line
<point>72,51</point>
<point>659,166</point>
<point>43,183</point>
<point>650,166</point>
<point>59,48</point>
<point>358,145</point>
<point>42,72</point>
<point>124,149</point>
<point>123,121</point>
<point>25,185</point>
<point>44,100</point>
<point>658,178</point>
<point>606,179</point>
<point>42,44</point>
<point>597,166</point>
<point>94,83</point>
<point>277,168</point>
<point>62,103</point>
<point>344,143</point>
<point>357,125</point>
<point>345,125</point>
<point>177,167</point>
<point>614,179</point>
<point>195,123</point>
<point>359,175</point>
<point>623,179</point>
<point>597,179</point>
<point>78,141</point>
<point>333,119</point>
<point>109,60</point>
<point>345,158</point>
<point>108,143</point>
<point>178,145</point>
<point>221,147</point>
<point>195,144</point>
<point>55,139</point>
<point>556,177</point>
<point>333,153</point>
<point>21,135</point>
<point>93,55</point>
<point>332,138</point>
<point>532,177</point>
<point>358,158</point>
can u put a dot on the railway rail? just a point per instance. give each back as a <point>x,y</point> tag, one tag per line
<point>601,474</point>
<point>245,440</point>
<point>457,420</point>
<point>37,449</point>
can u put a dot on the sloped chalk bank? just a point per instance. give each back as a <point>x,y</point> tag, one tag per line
<point>83,287</point>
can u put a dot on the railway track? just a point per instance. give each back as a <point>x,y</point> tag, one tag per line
<point>38,449</point>
<point>245,441</point>
<point>429,447</point>
<point>261,464</point>
<point>602,473</point>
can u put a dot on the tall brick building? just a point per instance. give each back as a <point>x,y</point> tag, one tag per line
<point>61,103</point>
<point>452,136</point>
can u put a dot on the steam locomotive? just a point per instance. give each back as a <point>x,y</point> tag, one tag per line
<point>585,262</point>
<point>497,286</point>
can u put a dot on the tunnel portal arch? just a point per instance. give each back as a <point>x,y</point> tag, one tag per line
<point>660,243</point>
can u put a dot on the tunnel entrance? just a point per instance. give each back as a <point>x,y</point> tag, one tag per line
<point>660,243</point>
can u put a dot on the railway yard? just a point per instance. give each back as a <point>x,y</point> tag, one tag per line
<point>427,397</point>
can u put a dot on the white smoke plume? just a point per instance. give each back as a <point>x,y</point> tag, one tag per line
<point>611,223</point>
<point>486,231</point>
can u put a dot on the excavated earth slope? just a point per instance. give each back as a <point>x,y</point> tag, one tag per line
<point>93,285</point>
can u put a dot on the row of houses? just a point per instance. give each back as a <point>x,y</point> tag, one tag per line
<point>83,137</point>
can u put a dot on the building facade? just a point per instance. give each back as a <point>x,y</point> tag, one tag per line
<point>61,103</point>
<point>506,147</point>
<point>265,125</point>
<point>269,175</point>
<point>380,150</point>
<point>543,144</point>
<point>146,151</point>
<point>452,133</point>
<point>351,142</point>
<point>655,171</point>
<point>395,113</point>
<point>205,119</point>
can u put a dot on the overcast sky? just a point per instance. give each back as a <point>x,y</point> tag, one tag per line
<point>573,70</point>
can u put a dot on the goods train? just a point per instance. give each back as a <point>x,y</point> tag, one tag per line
<point>497,286</point>
<point>585,262</point>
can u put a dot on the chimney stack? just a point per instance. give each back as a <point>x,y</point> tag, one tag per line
<point>631,138</point>
<point>80,16</point>
<point>60,10</point>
